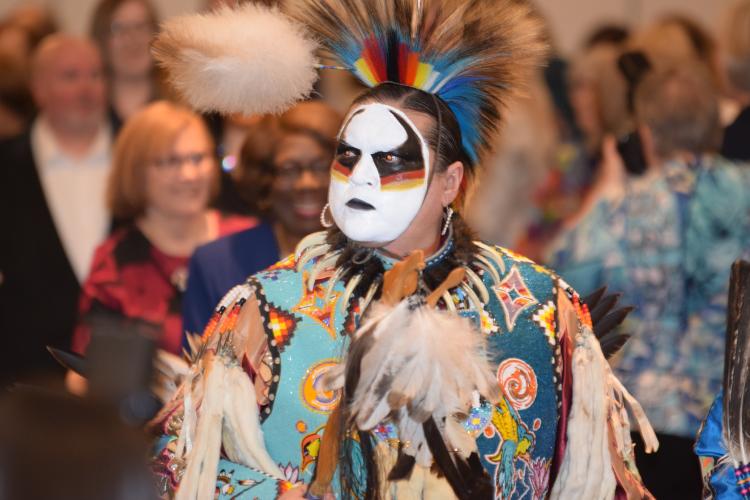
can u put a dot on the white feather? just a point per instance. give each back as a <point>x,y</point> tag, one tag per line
<point>200,471</point>
<point>478,284</point>
<point>170,371</point>
<point>311,253</point>
<point>423,362</point>
<point>243,439</point>
<point>326,262</point>
<point>250,60</point>
<point>485,264</point>
<point>353,282</point>
<point>491,255</point>
<point>311,240</point>
<point>365,303</point>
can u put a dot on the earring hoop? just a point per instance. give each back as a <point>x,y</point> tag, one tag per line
<point>323,221</point>
<point>448,218</point>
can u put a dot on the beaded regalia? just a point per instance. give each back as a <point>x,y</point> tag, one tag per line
<point>349,371</point>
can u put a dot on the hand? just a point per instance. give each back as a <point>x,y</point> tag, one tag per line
<point>296,493</point>
<point>76,384</point>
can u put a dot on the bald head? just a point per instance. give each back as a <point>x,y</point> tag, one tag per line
<point>67,83</point>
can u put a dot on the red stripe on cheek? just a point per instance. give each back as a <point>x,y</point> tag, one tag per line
<point>402,177</point>
<point>338,167</point>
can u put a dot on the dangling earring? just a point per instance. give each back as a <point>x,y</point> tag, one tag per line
<point>448,218</point>
<point>323,222</point>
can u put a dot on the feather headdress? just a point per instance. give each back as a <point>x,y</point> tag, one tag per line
<point>471,53</point>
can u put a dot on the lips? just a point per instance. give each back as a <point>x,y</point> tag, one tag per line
<point>358,204</point>
<point>307,209</point>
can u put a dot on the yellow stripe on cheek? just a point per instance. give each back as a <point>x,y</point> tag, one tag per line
<point>403,186</point>
<point>338,176</point>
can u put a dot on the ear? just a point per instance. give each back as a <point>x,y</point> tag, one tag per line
<point>452,178</point>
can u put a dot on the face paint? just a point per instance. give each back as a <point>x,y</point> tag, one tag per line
<point>380,175</point>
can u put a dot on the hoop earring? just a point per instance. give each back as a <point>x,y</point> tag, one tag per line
<point>323,222</point>
<point>448,218</point>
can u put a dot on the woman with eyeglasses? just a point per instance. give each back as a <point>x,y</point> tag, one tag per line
<point>123,30</point>
<point>283,176</point>
<point>163,178</point>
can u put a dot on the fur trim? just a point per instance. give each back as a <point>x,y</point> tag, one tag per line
<point>250,60</point>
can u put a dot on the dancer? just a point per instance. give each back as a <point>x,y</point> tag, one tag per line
<point>392,356</point>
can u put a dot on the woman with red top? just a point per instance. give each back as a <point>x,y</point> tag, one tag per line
<point>163,177</point>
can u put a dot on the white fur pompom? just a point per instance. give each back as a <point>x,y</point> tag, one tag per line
<point>249,60</point>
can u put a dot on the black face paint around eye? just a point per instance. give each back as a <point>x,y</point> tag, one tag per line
<point>399,166</point>
<point>403,164</point>
<point>347,155</point>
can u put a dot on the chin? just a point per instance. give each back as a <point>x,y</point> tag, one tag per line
<point>365,233</point>
<point>186,212</point>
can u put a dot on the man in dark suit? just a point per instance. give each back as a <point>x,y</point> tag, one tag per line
<point>52,211</point>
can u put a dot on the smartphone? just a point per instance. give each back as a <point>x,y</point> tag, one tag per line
<point>631,150</point>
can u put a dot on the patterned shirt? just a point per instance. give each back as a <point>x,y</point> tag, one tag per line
<point>668,246</point>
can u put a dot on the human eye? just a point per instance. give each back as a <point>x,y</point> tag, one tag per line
<point>347,155</point>
<point>196,159</point>
<point>390,159</point>
<point>347,152</point>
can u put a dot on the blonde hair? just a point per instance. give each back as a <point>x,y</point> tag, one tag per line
<point>148,134</point>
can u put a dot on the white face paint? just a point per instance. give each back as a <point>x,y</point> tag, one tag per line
<point>380,175</point>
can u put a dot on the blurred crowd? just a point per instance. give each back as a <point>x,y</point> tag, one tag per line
<point>123,210</point>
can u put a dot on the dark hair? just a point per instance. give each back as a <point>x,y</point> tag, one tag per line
<point>612,34</point>
<point>255,172</point>
<point>101,23</point>
<point>446,133</point>
<point>14,88</point>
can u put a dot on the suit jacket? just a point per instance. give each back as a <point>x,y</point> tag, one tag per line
<point>38,288</point>
<point>218,266</point>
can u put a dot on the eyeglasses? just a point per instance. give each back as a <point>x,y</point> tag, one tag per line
<point>291,171</point>
<point>173,163</point>
<point>118,29</point>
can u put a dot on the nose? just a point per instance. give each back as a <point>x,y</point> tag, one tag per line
<point>365,173</point>
<point>189,171</point>
<point>307,180</point>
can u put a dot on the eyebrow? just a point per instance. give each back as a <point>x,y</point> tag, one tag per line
<point>345,144</point>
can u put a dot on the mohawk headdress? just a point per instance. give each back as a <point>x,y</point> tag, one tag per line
<point>471,53</point>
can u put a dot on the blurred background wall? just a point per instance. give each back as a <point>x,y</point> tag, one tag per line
<point>570,19</point>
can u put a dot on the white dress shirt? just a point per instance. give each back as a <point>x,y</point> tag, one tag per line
<point>75,192</point>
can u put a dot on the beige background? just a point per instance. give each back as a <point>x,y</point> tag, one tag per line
<point>570,19</point>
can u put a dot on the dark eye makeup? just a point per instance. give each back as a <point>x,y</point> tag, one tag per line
<point>347,155</point>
